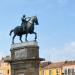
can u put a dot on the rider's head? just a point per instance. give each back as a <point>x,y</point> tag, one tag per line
<point>24,16</point>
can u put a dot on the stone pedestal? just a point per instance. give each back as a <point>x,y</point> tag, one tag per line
<point>25,58</point>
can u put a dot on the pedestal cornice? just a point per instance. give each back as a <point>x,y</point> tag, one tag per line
<point>24,44</point>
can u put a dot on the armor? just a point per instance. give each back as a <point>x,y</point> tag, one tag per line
<point>24,21</point>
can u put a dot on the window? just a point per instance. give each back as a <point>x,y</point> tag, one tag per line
<point>65,72</point>
<point>57,72</point>
<point>50,72</point>
<point>69,71</point>
<point>73,72</point>
<point>43,73</point>
<point>7,71</point>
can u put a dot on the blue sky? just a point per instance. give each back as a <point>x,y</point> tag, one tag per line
<point>56,29</point>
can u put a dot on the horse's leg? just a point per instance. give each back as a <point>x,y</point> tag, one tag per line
<point>35,35</point>
<point>21,38</point>
<point>26,37</point>
<point>13,39</point>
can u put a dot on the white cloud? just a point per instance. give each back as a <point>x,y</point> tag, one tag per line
<point>67,52</point>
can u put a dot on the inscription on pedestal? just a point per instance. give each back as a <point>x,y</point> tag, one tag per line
<point>19,54</point>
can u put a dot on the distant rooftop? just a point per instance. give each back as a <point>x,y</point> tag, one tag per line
<point>44,64</point>
<point>58,64</point>
<point>6,58</point>
<point>55,65</point>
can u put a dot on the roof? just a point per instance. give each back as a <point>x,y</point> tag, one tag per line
<point>1,61</point>
<point>44,64</point>
<point>55,65</point>
<point>69,63</point>
<point>59,64</point>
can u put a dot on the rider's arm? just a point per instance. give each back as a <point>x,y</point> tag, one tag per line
<point>29,18</point>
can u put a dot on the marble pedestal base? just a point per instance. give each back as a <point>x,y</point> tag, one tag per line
<point>25,58</point>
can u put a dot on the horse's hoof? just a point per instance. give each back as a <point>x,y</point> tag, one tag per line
<point>34,40</point>
<point>12,42</point>
<point>21,41</point>
<point>26,40</point>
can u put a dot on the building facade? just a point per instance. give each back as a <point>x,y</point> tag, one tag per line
<point>46,68</point>
<point>69,68</point>
<point>42,65</point>
<point>53,69</point>
<point>59,68</point>
<point>5,68</point>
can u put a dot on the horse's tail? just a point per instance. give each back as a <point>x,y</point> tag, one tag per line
<point>11,32</point>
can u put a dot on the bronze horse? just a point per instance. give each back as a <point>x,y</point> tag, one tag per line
<point>18,31</point>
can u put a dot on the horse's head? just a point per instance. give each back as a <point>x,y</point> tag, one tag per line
<point>34,18</point>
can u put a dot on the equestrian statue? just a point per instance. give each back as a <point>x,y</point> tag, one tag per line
<point>27,27</point>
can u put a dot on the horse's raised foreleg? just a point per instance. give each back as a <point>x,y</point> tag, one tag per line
<point>35,35</point>
<point>13,39</point>
<point>21,38</point>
